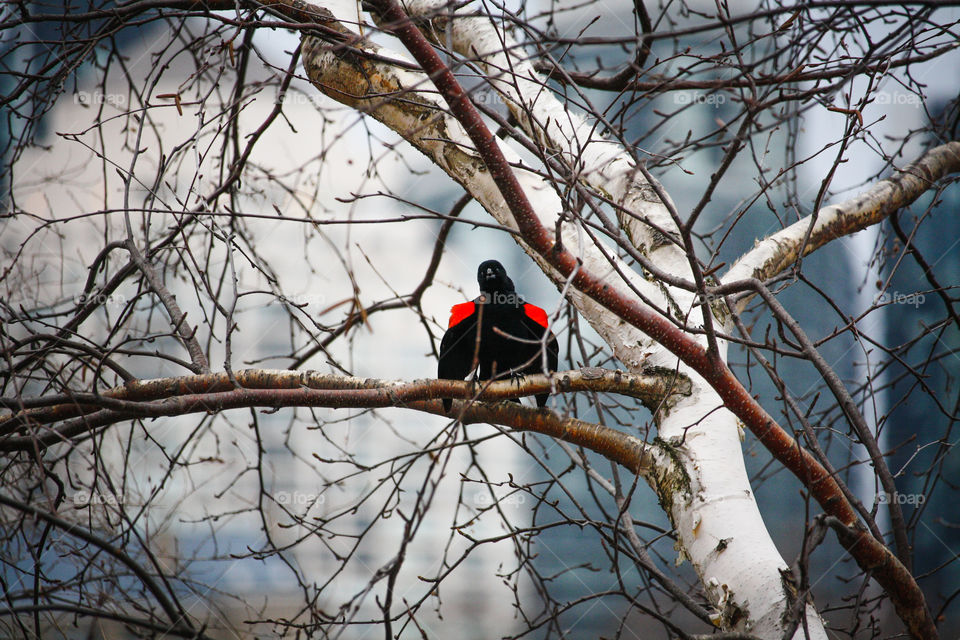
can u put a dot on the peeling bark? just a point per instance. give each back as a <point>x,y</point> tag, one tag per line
<point>47,420</point>
<point>778,252</point>
<point>716,502</point>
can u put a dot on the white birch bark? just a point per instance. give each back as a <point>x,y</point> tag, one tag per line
<point>710,503</point>
<point>779,251</point>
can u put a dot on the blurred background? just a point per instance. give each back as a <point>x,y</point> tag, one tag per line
<point>279,522</point>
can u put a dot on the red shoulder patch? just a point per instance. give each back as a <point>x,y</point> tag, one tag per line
<point>460,312</point>
<point>536,314</point>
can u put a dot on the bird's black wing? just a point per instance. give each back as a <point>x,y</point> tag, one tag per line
<point>458,346</point>
<point>537,323</point>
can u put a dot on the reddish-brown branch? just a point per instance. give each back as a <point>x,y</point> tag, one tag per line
<point>84,412</point>
<point>870,553</point>
<point>276,389</point>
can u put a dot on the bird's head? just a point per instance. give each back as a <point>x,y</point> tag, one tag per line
<point>492,278</point>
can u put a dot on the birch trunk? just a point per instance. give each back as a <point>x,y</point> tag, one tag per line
<point>710,502</point>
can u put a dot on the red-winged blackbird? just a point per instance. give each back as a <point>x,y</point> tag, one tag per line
<point>511,334</point>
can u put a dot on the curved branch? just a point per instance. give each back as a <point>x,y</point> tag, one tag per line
<point>103,614</point>
<point>179,623</point>
<point>602,164</point>
<point>642,458</point>
<point>779,251</point>
<point>849,408</point>
<point>81,414</point>
<point>626,450</point>
<point>187,333</point>
<point>870,553</point>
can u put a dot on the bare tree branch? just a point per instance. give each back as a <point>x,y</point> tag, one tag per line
<point>264,224</point>
<point>777,253</point>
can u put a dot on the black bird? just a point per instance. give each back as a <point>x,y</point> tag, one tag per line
<point>511,334</point>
